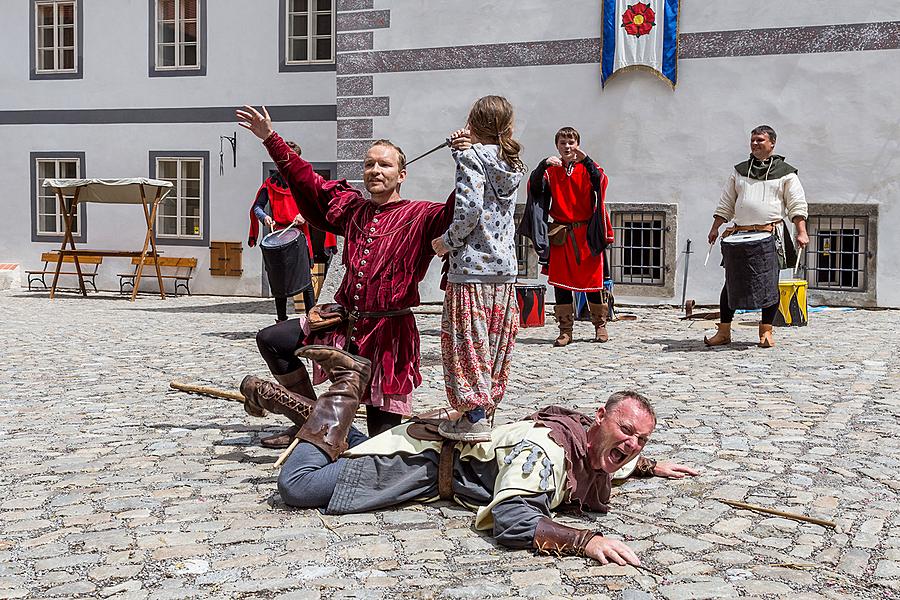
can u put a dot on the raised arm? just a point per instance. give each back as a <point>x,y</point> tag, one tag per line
<point>305,184</point>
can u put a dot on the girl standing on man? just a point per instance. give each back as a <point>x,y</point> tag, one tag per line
<point>481,317</point>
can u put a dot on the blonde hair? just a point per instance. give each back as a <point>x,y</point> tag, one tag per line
<point>491,120</point>
<point>401,157</point>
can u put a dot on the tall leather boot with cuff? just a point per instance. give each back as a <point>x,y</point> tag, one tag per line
<point>332,415</point>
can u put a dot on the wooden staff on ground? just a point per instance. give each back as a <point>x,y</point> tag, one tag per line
<point>779,513</point>
<point>207,391</point>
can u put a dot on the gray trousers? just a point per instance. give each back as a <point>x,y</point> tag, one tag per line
<point>308,476</point>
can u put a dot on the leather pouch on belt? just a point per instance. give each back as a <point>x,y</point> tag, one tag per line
<point>326,316</point>
<point>558,233</point>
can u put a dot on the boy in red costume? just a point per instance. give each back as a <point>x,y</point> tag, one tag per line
<point>571,188</point>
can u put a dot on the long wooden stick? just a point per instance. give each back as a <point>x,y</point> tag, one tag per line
<point>286,453</point>
<point>206,391</point>
<point>772,511</point>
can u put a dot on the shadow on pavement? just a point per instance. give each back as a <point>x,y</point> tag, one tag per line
<point>233,335</point>
<point>243,457</point>
<point>236,428</point>
<point>262,306</point>
<point>674,345</point>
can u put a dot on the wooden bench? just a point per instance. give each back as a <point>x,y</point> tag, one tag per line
<point>89,264</point>
<point>178,269</point>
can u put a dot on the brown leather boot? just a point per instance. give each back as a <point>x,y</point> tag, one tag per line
<point>565,318</point>
<point>765,336</point>
<point>261,396</point>
<point>296,381</point>
<point>722,337</point>
<point>333,413</point>
<point>599,317</point>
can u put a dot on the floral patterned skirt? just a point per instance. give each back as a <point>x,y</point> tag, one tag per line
<point>478,333</point>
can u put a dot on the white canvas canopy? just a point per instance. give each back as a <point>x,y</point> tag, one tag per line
<point>112,191</point>
<point>133,190</point>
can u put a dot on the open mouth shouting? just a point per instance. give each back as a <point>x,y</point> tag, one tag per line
<point>616,456</point>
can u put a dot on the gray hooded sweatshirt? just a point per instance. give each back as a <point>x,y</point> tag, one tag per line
<point>482,235</point>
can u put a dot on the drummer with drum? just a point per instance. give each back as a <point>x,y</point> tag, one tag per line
<point>287,251</point>
<point>760,193</point>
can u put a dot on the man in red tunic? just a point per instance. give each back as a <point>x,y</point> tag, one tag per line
<point>386,253</point>
<point>571,188</point>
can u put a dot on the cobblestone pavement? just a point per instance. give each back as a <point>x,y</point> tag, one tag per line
<point>115,486</point>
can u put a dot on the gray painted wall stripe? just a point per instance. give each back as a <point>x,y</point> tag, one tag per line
<point>355,40</point>
<point>352,149</point>
<point>349,170</point>
<point>791,40</point>
<point>201,114</point>
<point>713,44</point>
<point>366,19</point>
<point>357,85</point>
<point>354,128</point>
<point>364,106</point>
<point>344,5</point>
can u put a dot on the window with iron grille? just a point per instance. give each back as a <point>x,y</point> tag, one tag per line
<point>638,255</point>
<point>837,254</point>
<point>309,31</point>
<point>55,39</point>
<point>46,213</point>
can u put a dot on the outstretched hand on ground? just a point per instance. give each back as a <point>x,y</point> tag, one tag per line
<point>673,470</point>
<point>607,550</point>
<point>259,124</point>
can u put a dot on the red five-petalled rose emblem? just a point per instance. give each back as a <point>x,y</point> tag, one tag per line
<point>638,19</point>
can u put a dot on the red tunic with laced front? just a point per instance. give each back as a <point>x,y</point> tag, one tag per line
<point>572,201</point>
<point>387,250</point>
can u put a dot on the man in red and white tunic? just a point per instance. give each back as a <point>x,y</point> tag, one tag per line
<point>571,189</point>
<point>386,253</point>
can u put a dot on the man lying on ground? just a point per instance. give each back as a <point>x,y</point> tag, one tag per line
<point>553,458</point>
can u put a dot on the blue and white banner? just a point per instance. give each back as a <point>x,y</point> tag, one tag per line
<point>640,35</point>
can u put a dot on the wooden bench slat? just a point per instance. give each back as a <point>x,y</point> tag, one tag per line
<point>85,259</point>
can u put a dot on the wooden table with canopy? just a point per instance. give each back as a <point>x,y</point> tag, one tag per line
<point>137,190</point>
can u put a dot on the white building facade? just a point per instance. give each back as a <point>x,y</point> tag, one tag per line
<point>147,87</point>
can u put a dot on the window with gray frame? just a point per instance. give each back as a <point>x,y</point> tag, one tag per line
<point>178,37</point>
<point>839,260</point>
<point>46,213</point>
<point>641,259</point>
<point>306,36</point>
<point>183,216</point>
<point>836,256</point>
<point>56,39</point>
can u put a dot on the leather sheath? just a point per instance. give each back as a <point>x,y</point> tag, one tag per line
<point>445,470</point>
